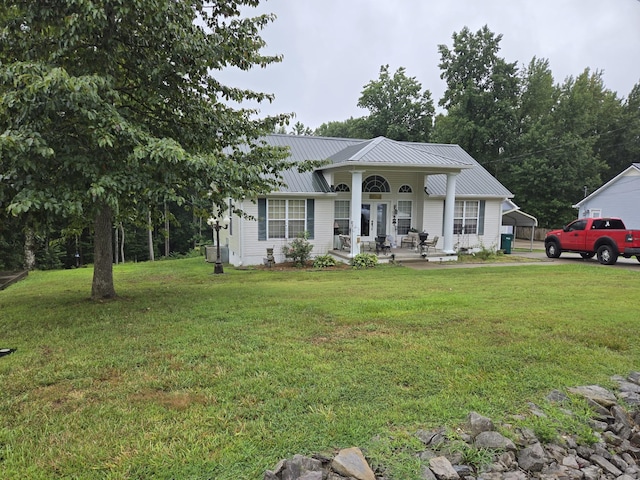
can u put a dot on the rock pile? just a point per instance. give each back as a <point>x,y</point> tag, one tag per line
<point>615,455</point>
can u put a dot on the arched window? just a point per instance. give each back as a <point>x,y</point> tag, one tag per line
<point>405,189</point>
<point>375,184</point>
<point>342,187</point>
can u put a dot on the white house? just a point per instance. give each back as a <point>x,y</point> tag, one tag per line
<point>619,197</point>
<point>369,188</point>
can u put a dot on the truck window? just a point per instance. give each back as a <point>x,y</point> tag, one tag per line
<point>617,224</point>
<point>577,225</point>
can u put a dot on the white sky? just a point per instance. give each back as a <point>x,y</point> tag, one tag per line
<point>332,48</point>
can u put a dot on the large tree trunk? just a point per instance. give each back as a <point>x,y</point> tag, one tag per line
<point>103,255</point>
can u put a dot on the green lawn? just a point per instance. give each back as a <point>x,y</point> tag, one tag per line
<point>190,375</point>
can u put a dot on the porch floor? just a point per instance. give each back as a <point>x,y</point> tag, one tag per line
<point>400,255</point>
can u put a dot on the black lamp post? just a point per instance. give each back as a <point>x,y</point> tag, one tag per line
<point>216,225</point>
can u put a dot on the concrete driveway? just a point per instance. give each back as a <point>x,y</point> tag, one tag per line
<point>521,250</point>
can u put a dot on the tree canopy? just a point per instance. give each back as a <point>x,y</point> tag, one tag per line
<point>398,109</point>
<point>481,94</point>
<point>107,107</point>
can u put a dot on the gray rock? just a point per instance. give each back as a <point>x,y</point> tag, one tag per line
<point>532,458</point>
<point>517,475</point>
<point>427,474</point>
<point>493,440</point>
<point>599,426</point>
<point>611,438</point>
<point>592,472</point>
<point>476,424</point>
<point>427,455</point>
<point>625,477</point>
<point>630,398</point>
<point>507,459</point>
<point>298,466</point>
<point>619,462</point>
<point>463,470</point>
<point>556,396</point>
<point>442,468</point>
<point>570,462</point>
<point>621,415</point>
<point>634,377</point>
<point>596,393</point>
<point>628,458</point>
<point>311,476</point>
<point>433,438</point>
<point>350,462</point>
<point>629,387</point>
<point>606,465</point>
<point>527,437</point>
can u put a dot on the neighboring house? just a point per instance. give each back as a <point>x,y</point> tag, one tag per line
<point>619,197</point>
<point>369,188</point>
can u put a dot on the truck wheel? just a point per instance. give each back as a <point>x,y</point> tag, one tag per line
<point>587,255</point>
<point>607,255</point>
<point>552,249</point>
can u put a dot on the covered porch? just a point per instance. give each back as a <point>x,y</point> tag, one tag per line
<point>398,255</point>
<point>374,206</point>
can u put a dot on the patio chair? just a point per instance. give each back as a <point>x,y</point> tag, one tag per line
<point>345,242</point>
<point>410,240</point>
<point>427,244</point>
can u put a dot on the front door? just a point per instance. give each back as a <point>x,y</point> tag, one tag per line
<point>373,220</point>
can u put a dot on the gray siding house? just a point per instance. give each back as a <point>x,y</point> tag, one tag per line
<point>369,188</point>
<point>619,197</point>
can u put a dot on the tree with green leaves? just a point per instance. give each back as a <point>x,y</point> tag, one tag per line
<point>555,157</point>
<point>109,108</point>
<point>481,95</point>
<point>398,107</point>
<point>620,146</point>
<point>350,128</point>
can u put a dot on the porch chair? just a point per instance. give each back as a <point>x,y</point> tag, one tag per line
<point>431,243</point>
<point>345,242</point>
<point>410,240</point>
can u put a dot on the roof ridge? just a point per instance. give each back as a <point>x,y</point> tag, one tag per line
<point>370,145</point>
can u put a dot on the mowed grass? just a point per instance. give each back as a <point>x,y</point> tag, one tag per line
<point>190,375</point>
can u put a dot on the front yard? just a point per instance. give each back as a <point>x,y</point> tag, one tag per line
<point>193,375</point>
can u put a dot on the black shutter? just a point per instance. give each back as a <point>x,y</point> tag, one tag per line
<point>311,217</point>
<point>262,219</point>
<point>481,218</point>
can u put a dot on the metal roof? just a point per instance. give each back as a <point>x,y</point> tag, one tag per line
<point>383,151</point>
<point>473,179</point>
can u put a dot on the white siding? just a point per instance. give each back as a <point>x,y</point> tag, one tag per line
<point>434,216</point>
<point>253,251</point>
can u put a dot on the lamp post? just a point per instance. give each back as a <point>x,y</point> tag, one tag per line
<point>216,225</point>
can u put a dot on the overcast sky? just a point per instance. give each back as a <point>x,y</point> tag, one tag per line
<point>332,48</point>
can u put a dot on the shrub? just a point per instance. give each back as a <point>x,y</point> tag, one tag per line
<point>299,251</point>
<point>364,260</point>
<point>324,261</point>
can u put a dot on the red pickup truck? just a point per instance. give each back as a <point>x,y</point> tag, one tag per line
<point>607,238</point>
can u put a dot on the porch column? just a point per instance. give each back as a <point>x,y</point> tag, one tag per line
<point>449,209</point>
<point>356,210</point>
